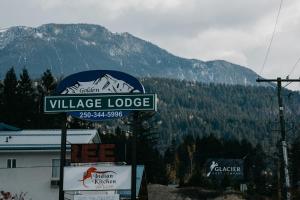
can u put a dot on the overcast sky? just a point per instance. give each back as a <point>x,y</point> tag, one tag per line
<point>238,31</point>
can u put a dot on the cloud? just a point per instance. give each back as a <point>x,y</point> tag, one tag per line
<point>234,30</point>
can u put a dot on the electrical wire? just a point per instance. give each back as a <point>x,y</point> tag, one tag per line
<point>294,67</point>
<point>272,37</point>
<point>272,85</point>
<point>287,84</point>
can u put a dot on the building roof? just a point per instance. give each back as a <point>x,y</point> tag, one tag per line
<point>44,140</point>
<point>6,127</point>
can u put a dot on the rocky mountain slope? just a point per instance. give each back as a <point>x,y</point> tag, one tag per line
<point>69,48</point>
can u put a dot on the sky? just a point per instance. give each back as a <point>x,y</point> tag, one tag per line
<point>238,31</point>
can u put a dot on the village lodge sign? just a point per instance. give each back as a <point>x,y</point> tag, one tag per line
<point>100,103</point>
<point>99,94</point>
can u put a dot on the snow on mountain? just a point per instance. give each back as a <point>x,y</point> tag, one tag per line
<point>104,84</point>
<point>70,48</point>
<point>3,30</point>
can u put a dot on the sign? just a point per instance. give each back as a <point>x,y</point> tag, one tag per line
<point>97,178</point>
<point>97,82</point>
<point>91,153</point>
<point>97,197</point>
<point>221,167</point>
<point>99,103</point>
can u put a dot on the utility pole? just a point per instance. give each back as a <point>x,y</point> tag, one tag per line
<point>287,195</point>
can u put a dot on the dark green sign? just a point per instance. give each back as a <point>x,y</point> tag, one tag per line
<point>111,102</point>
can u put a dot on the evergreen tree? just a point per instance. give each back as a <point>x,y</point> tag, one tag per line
<point>257,161</point>
<point>10,100</point>
<point>48,82</point>
<point>147,153</point>
<point>47,87</point>
<point>183,163</point>
<point>28,106</point>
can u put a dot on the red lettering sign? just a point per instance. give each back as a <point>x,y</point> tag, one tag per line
<point>89,153</point>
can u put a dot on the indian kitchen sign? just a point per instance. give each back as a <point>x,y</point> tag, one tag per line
<point>99,94</point>
<point>98,177</point>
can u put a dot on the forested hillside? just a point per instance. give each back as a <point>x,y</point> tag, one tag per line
<point>194,122</point>
<point>226,111</point>
<point>184,108</point>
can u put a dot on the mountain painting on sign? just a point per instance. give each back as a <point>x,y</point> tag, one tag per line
<point>104,84</point>
<point>99,82</point>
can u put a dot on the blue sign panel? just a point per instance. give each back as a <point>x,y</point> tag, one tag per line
<point>100,82</point>
<point>219,168</point>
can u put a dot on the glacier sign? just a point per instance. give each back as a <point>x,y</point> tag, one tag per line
<point>219,168</point>
<point>99,82</point>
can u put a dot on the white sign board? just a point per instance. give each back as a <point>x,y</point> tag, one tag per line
<point>97,197</point>
<point>97,178</point>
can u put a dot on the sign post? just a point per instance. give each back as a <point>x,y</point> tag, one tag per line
<point>95,96</point>
<point>62,155</point>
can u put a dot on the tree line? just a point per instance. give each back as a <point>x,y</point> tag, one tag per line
<point>22,100</point>
<point>194,122</point>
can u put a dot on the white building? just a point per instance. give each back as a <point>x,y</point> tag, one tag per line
<point>29,161</point>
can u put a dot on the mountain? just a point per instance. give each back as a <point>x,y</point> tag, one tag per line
<point>70,48</point>
<point>225,111</point>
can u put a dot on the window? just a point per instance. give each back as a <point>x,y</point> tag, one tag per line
<point>11,163</point>
<point>55,168</point>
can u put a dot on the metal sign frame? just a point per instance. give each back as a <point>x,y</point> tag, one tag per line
<point>117,79</point>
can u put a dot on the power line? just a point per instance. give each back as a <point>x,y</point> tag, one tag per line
<point>294,67</point>
<point>287,84</point>
<point>273,34</point>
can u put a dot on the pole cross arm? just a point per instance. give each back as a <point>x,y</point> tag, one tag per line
<point>278,79</point>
